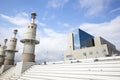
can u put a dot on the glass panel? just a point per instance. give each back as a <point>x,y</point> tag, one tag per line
<point>76,40</point>
<point>82,39</point>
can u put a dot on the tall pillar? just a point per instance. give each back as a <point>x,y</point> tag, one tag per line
<point>2,52</point>
<point>10,51</point>
<point>30,41</point>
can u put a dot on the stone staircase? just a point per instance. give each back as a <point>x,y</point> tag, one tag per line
<point>74,71</point>
<point>101,69</point>
<point>7,74</point>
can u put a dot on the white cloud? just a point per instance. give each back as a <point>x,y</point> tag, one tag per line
<point>63,24</point>
<point>115,10</point>
<point>66,25</point>
<point>108,30</point>
<point>47,16</point>
<point>40,23</point>
<point>19,19</point>
<point>53,17</point>
<point>93,7</point>
<point>57,3</point>
<point>52,46</point>
<point>52,33</point>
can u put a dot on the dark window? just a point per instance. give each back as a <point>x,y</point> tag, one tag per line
<point>84,54</point>
<point>31,26</point>
<point>96,52</point>
<point>68,56</point>
<point>103,51</point>
<point>91,53</point>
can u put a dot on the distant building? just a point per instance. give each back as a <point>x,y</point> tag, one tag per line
<point>82,45</point>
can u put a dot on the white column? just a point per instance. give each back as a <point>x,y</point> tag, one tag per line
<point>10,51</point>
<point>30,41</point>
<point>2,54</point>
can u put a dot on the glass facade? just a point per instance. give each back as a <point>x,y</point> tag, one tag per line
<point>82,39</point>
<point>76,39</point>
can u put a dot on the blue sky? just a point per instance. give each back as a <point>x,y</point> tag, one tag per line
<point>56,18</point>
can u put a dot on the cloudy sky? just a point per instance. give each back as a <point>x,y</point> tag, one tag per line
<point>57,18</point>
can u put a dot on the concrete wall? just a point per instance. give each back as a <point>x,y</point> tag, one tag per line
<point>102,48</point>
<point>91,52</point>
<point>69,51</point>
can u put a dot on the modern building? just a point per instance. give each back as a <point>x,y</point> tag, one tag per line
<point>82,45</point>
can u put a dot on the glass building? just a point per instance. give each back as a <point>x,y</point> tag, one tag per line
<point>82,39</point>
<point>82,45</point>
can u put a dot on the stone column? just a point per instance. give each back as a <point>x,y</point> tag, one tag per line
<point>2,52</point>
<point>10,51</point>
<point>30,41</point>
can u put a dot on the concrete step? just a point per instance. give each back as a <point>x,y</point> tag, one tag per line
<point>78,72</point>
<point>78,69</point>
<point>68,76</point>
<point>14,77</point>
<point>84,63</point>
<point>74,71</point>
<point>80,65</point>
<point>7,74</point>
<point>70,71</point>
<point>27,77</point>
